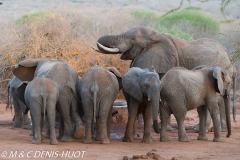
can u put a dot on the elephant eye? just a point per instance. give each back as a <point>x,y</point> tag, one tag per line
<point>133,38</point>
<point>146,85</point>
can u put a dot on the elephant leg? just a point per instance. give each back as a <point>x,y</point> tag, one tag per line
<point>103,119</point>
<point>32,131</point>
<point>202,112</point>
<point>208,122</point>
<point>133,110</point>
<point>134,128</point>
<point>214,111</point>
<point>47,125</point>
<point>36,118</point>
<point>17,114</point>
<point>64,109</point>
<point>98,130</point>
<point>61,129</point>
<point>109,121</point>
<point>147,124</point>
<point>26,122</point>
<point>169,127</point>
<point>221,106</point>
<point>89,125</point>
<point>164,116</point>
<point>182,135</point>
<point>51,121</point>
<point>79,131</point>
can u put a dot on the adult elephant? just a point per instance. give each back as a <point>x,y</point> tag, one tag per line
<point>98,89</point>
<point>66,78</point>
<point>146,48</point>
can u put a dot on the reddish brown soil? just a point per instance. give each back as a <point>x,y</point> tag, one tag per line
<point>17,139</point>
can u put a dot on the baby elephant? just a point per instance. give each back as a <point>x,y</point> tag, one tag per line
<point>99,88</point>
<point>41,96</point>
<point>183,90</point>
<point>142,92</point>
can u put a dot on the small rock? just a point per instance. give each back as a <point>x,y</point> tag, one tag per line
<point>136,156</point>
<point>144,157</point>
<point>125,157</point>
<point>154,150</point>
<point>173,158</point>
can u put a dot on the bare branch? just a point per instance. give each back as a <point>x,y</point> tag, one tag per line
<point>5,80</point>
<point>173,10</point>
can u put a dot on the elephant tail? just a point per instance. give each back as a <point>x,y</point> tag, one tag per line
<point>44,106</point>
<point>9,103</point>
<point>94,90</point>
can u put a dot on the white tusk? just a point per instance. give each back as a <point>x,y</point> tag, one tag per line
<point>115,50</point>
<point>148,99</point>
<point>96,49</point>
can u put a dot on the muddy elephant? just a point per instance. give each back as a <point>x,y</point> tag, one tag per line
<point>21,118</point>
<point>41,96</point>
<point>146,48</point>
<point>66,78</point>
<point>183,90</point>
<point>143,88</point>
<point>98,88</point>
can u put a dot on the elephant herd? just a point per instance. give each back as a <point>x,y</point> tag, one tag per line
<point>167,75</point>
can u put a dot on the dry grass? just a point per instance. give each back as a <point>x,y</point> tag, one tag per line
<point>64,33</point>
<point>59,35</point>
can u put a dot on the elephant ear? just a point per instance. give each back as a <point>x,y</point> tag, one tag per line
<point>114,71</point>
<point>161,53</point>
<point>21,90</point>
<point>117,74</point>
<point>25,70</point>
<point>217,74</point>
<point>131,83</point>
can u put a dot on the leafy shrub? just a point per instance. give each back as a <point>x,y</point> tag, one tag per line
<point>33,16</point>
<point>195,18</point>
<point>172,23</point>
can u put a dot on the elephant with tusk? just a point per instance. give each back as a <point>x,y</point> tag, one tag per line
<point>146,48</point>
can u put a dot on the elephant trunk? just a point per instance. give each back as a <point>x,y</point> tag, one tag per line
<point>234,88</point>
<point>107,44</point>
<point>227,111</point>
<point>155,108</point>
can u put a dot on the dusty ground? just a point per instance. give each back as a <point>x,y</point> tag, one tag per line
<point>16,140</point>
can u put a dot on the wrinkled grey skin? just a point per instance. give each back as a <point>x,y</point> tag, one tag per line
<point>147,48</point>
<point>41,96</point>
<point>99,87</point>
<point>66,78</point>
<point>221,108</point>
<point>183,90</point>
<point>143,88</point>
<point>21,118</point>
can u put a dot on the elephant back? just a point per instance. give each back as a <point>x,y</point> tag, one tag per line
<point>104,79</point>
<point>61,73</point>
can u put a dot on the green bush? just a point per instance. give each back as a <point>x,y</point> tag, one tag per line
<point>172,23</point>
<point>32,16</point>
<point>146,15</point>
<point>195,18</point>
<point>176,32</point>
